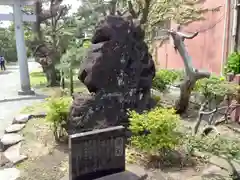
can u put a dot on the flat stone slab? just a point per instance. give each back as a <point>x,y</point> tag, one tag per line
<point>1,146</point>
<point>133,172</point>
<point>212,169</point>
<point>13,154</point>
<point>3,159</point>
<point>22,118</point>
<point>14,128</point>
<point>40,115</point>
<point>224,164</point>
<point>11,139</point>
<point>127,175</point>
<point>9,174</point>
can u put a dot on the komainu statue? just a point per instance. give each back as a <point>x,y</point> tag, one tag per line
<point>118,71</point>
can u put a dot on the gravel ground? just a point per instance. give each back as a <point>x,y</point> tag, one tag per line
<point>10,102</point>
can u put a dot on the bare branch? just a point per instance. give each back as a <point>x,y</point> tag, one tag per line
<point>62,26</point>
<point>201,74</point>
<point>119,13</point>
<point>55,7</point>
<point>113,4</point>
<point>131,10</point>
<point>27,12</point>
<point>145,12</point>
<point>61,13</point>
<point>28,28</point>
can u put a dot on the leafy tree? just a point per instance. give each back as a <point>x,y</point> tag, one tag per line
<point>8,44</point>
<point>51,37</point>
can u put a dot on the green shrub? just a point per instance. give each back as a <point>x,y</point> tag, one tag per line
<point>154,131</point>
<point>165,77</point>
<point>217,145</point>
<point>233,63</point>
<point>57,114</point>
<point>215,88</point>
<point>72,58</point>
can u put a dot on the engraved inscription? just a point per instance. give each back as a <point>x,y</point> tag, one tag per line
<point>118,146</point>
<point>97,154</point>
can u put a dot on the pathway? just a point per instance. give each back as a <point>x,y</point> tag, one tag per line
<point>10,101</point>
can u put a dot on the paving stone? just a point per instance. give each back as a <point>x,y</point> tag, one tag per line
<point>212,169</point>
<point>13,154</point>
<point>1,146</point>
<point>40,115</point>
<point>139,171</point>
<point>14,128</point>
<point>195,178</point>
<point>11,139</point>
<point>3,159</point>
<point>10,101</point>
<point>22,118</point>
<point>224,164</point>
<point>9,174</point>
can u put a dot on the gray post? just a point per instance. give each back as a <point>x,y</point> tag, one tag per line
<point>21,50</point>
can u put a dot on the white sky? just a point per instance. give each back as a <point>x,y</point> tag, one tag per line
<point>7,9</point>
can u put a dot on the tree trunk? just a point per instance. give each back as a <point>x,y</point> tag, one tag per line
<point>51,75</point>
<point>185,93</point>
<point>71,90</point>
<point>192,74</point>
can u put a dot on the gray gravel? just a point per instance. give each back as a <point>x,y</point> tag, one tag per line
<point>10,102</point>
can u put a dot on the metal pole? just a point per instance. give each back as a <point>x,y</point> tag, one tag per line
<point>21,50</point>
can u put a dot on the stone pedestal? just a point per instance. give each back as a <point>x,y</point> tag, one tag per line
<point>133,172</point>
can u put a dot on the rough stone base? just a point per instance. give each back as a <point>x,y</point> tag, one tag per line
<point>127,175</point>
<point>132,173</point>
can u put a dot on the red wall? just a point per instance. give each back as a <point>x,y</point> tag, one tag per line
<point>205,49</point>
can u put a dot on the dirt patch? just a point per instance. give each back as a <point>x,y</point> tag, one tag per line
<point>46,159</point>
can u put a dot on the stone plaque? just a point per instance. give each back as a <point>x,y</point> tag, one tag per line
<point>97,153</point>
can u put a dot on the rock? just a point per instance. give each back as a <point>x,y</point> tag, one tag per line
<point>195,178</point>
<point>224,164</point>
<point>22,118</point>
<point>3,160</point>
<point>2,148</point>
<point>211,169</point>
<point>139,171</point>
<point>14,128</point>
<point>10,139</point>
<point>13,154</point>
<point>9,174</point>
<point>40,115</point>
<point>118,71</point>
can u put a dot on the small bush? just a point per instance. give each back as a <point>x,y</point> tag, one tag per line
<point>217,145</point>
<point>215,88</point>
<point>154,131</point>
<point>165,77</point>
<point>57,113</point>
<point>233,63</point>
